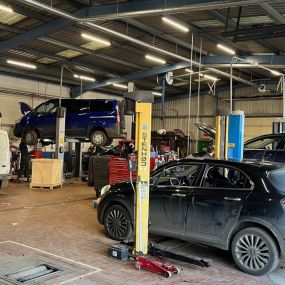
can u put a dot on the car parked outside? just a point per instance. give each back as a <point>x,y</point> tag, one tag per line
<point>96,120</point>
<point>236,206</point>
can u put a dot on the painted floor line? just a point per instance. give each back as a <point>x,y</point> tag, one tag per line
<point>95,269</point>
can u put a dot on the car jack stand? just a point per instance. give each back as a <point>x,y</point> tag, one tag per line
<point>156,265</point>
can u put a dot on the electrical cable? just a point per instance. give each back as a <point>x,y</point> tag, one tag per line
<point>134,190</point>
<point>198,93</point>
<point>189,99</point>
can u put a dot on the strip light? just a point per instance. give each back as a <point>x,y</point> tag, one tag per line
<point>226,49</point>
<point>210,77</point>
<point>120,86</point>
<point>157,93</point>
<point>274,72</point>
<point>96,39</point>
<point>6,8</point>
<point>189,70</point>
<point>156,59</point>
<point>83,77</point>
<point>22,64</point>
<point>175,23</point>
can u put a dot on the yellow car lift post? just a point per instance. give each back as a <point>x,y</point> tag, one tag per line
<point>142,143</point>
<point>142,109</point>
<point>139,103</point>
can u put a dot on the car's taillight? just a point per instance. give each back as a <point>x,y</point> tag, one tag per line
<point>118,116</point>
<point>283,203</point>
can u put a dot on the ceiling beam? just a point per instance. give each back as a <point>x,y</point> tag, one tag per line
<point>34,76</point>
<point>40,31</point>
<point>129,77</point>
<point>272,13</point>
<point>64,60</point>
<point>222,18</point>
<point>261,59</point>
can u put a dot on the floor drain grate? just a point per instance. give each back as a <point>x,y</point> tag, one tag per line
<point>31,270</point>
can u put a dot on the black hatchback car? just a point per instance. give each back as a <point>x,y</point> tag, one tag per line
<point>236,206</point>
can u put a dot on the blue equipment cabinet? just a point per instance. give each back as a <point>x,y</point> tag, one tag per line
<point>236,136</point>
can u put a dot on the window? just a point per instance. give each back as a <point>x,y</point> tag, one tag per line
<point>101,106</point>
<point>225,177</point>
<point>48,107</point>
<point>80,107</point>
<point>179,175</point>
<point>264,143</point>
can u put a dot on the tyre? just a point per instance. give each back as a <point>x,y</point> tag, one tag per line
<point>254,251</point>
<point>31,137</point>
<point>98,138</point>
<point>117,223</point>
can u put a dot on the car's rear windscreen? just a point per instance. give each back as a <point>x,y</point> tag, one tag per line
<point>277,178</point>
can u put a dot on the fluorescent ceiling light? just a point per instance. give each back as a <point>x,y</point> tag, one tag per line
<point>156,59</point>
<point>175,23</point>
<point>275,72</point>
<point>96,39</point>
<point>226,49</point>
<point>189,70</point>
<point>6,8</point>
<point>210,77</point>
<point>83,77</point>
<point>157,93</point>
<point>120,86</point>
<point>22,64</point>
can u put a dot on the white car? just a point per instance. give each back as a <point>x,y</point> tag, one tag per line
<point>4,158</point>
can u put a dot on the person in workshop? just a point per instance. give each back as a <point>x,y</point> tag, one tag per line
<point>209,153</point>
<point>24,165</point>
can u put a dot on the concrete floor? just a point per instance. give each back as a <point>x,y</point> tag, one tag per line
<point>62,224</point>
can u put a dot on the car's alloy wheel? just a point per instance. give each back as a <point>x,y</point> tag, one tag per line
<point>98,138</point>
<point>254,251</point>
<point>31,137</point>
<point>117,223</point>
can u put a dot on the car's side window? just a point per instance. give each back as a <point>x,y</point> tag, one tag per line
<point>178,175</point>
<point>41,109</point>
<point>264,143</point>
<point>154,179</point>
<point>225,177</point>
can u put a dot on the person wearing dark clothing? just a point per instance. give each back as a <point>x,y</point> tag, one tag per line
<point>24,165</point>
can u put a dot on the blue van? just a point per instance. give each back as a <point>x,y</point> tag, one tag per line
<point>96,120</point>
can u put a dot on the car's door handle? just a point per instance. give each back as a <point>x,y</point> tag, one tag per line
<point>232,199</point>
<point>178,195</point>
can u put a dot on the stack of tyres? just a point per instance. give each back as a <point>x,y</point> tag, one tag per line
<point>98,174</point>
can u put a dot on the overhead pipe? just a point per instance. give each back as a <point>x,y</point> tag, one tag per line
<point>70,17</point>
<point>166,6</point>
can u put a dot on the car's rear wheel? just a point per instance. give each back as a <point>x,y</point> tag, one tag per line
<point>117,223</point>
<point>31,137</point>
<point>254,251</point>
<point>98,138</point>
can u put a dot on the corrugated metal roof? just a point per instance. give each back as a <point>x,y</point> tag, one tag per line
<point>69,53</point>
<point>22,53</point>
<point>10,18</point>
<point>123,50</point>
<point>46,60</point>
